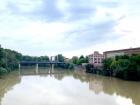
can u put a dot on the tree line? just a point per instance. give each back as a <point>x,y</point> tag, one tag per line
<point>9,60</point>
<point>125,67</point>
<point>79,60</point>
<point>35,58</point>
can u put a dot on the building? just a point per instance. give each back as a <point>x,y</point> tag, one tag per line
<point>96,86</point>
<point>67,60</point>
<point>96,59</point>
<point>113,53</point>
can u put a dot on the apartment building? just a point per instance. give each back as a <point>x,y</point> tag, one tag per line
<point>96,59</point>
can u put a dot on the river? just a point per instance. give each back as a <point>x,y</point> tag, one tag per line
<point>65,87</point>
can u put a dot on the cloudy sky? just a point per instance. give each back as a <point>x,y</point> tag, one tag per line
<point>70,27</point>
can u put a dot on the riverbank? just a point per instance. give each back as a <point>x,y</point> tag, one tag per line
<point>124,67</point>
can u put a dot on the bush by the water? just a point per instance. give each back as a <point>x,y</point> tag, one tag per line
<point>89,68</point>
<point>3,70</point>
<point>125,67</point>
<point>9,60</point>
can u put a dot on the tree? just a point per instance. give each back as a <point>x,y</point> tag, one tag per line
<point>126,67</point>
<point>60,58</point>
<point>74,59</point>
<point>82,59</point>
<point>1,56</point>
<point>9,60</point>
<point>107,63</point>
<point>86,59</point>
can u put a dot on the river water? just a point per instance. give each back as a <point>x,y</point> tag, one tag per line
<point>65,87</point>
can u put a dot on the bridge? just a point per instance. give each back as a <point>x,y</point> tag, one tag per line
<point>37,63</point>
<point>51,62</point>
<point>41,62</point>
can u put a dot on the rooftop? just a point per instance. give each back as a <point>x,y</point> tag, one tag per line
<point>129,49</point>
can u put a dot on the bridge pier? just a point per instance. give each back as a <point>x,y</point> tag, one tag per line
<point>36,70</point>
<point>19,65</point>
<point>19,68</point>
<point>52,68</point>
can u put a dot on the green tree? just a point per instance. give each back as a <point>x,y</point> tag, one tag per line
<point>74,59</point>
<point>86,59</point>
<point>126,67</point>
<point>107,63</point>
<point>60,58</point>
<point>1,56</point>
<point>81,60</point>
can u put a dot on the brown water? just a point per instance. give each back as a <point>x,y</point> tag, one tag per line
<point>65,87</point>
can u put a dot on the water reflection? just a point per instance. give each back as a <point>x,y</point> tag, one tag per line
<point>7,83</point>
<point>113,86</point>
<point>65,87</point>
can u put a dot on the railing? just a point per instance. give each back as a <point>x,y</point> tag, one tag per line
<point>41,62</point>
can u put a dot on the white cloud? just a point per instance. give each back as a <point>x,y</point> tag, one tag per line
<point>76,27</point>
